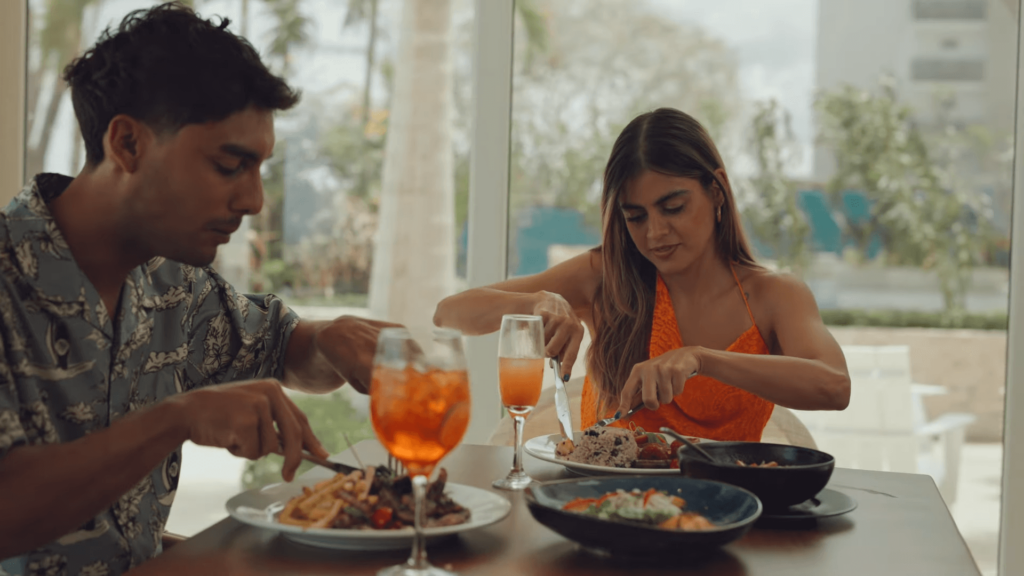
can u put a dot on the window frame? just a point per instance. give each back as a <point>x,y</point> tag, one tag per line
<point>13,63</point>
<point>1011,529</point>
<point>488,195</point>
<point>488,224</point>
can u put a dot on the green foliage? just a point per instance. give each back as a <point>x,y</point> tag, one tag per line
<point>277,274</point>
<point>355,153</point>
<point>291,30</point>
<point>535,24</point>
<point>61,32</point>
<point>562,132</point>
<point>330,416</point>
<point>770,202</point>
<point>919,207</point>
<point>358,11</point>
<point>914,319</point>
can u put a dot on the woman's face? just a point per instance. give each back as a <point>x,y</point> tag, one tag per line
<point>671,219</point>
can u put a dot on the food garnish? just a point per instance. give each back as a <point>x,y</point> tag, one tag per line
<point>652,508</point>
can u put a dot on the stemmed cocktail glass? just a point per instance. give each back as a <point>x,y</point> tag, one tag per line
<point>520,375</point>
<point>419,406</point>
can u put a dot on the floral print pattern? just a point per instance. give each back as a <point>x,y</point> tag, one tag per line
<point>68,367</point>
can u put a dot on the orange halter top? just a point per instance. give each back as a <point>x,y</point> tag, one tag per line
<point>706,408</point>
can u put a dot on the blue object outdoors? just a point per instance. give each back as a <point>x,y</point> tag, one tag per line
<point>537,228</point>
<point>825,233</point>
<point>826,236</point>
<point>857,208</point>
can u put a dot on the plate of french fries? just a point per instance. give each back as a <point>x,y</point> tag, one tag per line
<point>367,509</point>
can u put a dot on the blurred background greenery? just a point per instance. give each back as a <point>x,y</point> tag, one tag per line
<point>331,417</point>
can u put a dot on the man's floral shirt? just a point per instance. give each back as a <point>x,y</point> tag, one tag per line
<point>67,368</point>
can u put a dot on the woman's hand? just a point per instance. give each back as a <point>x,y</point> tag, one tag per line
<point>563,330</point>
<point>658,380</point>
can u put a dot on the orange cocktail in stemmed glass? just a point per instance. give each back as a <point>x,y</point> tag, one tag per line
<point>419,406</point>
<point>520,375</point>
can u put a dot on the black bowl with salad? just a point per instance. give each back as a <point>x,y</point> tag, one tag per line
<point>644,516</point>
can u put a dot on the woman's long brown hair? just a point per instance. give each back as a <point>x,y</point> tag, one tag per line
<point>673,143</point>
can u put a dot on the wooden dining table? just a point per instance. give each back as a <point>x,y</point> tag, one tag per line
<point>900,526</point>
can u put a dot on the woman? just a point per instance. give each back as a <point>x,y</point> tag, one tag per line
<point>682,317</point>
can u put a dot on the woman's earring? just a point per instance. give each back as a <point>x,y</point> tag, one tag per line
<point>719,213</point>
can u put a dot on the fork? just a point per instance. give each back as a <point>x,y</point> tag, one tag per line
<point>618,416</point>
<point>396,467</point>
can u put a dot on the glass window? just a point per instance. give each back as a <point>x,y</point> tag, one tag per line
<point>947,70</point>
<point>949,9</point>
<point>890,180</point>
<point>364,169</point>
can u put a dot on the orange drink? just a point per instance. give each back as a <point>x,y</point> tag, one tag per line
<point>520,380</point>
<point>419,406</point>
<point>520,375</point>
<point>419,417</point>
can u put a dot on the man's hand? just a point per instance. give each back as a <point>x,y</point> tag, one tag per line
<point>349,344</point>
<point>250,419</point>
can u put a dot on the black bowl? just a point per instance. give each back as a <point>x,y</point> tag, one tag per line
<point>801,473</point>
<point>732,509</point>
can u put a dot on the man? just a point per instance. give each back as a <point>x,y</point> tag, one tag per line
<point>117,342</point>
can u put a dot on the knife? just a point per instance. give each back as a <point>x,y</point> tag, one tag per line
<point>562,401</point>
<point>336,466</point>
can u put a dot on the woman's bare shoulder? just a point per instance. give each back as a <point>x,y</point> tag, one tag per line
<point>585,275</point>
<point>770,292</point>
<point>767,279</point>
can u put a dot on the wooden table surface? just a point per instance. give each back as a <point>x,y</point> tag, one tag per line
<point>901,526</point>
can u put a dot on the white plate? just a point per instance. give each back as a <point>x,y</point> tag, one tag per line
<point>543,448</point>
<point>259,507</point>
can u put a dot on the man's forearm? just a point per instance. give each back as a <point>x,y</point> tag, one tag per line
<point>305,368</point>
<point>47,491</point>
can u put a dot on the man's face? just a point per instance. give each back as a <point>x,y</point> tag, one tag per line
<point>194,186</point>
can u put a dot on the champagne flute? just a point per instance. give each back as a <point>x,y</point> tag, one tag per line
<point>520,375</point>
<point>419,406</point>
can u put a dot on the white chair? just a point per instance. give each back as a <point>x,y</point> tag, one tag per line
<point>782,428</point>
<point>885,426</point>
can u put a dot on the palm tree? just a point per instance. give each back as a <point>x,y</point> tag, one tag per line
<point>414,260</point>
<point>291,30</point>
<point>360,11</point>
<point>60,40</point>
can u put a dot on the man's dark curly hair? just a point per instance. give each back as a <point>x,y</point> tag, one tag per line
<point>167,67</point>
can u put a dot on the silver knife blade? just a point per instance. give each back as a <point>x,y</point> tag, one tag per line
<point>562,402</point>
<point>336,466</point>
